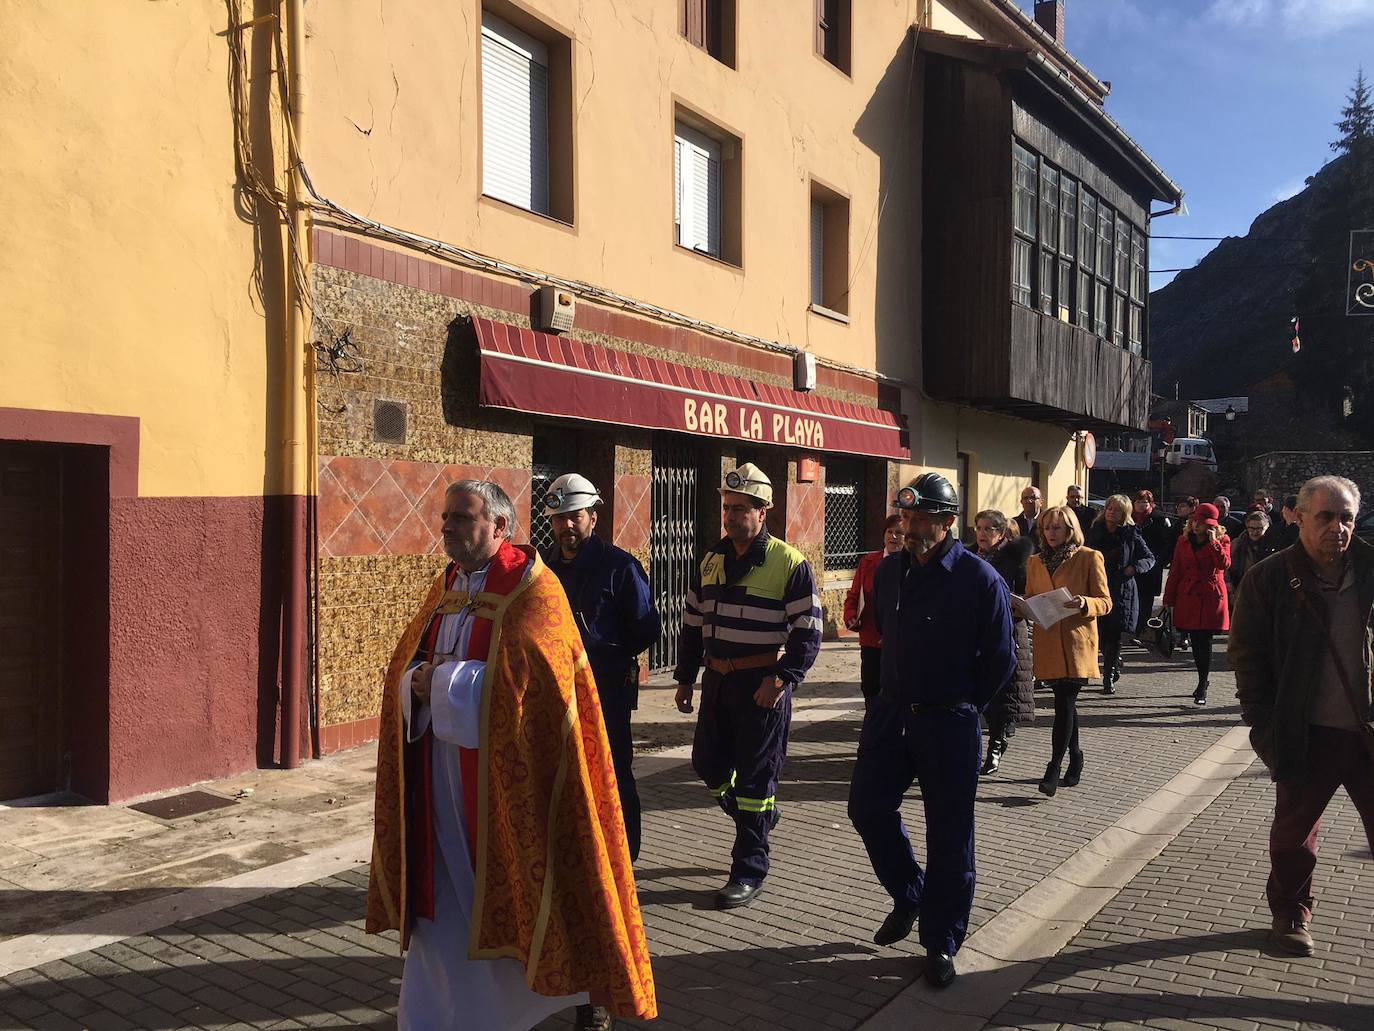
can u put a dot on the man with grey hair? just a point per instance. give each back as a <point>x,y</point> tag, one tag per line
<point>492,760</point>
<point>1300,649</point>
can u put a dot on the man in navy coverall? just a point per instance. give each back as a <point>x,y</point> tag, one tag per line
<point>610,600</point>
<point>945,617</point>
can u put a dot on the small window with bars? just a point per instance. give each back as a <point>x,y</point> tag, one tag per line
<point>844,514</point>
<point>554,453</point>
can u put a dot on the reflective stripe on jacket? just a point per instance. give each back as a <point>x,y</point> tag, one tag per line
<point>770,603</point>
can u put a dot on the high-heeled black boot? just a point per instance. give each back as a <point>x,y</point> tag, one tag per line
<point>1049,784</point>
<point>1075,771</point>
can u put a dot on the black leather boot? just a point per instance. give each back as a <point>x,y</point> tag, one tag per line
<point>1075,771</point>
<point>1049,784</point>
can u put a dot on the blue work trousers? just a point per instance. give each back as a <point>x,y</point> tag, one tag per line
<point>940,748</point>
<point>615,712</point>
<point>738,752</point>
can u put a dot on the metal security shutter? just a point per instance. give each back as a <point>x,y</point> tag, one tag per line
<point>515,116</point>
<point>817,252</point>
<point>696,179</point>
<point>673,549</point>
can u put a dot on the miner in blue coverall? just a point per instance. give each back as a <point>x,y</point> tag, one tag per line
<point>610,600</point>
<point>945,617</point>
<point>753,619</point>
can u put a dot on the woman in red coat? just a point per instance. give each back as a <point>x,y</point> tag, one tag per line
<point>858,609</point>
<point>1196,591</point>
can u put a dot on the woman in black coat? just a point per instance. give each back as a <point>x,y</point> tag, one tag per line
<point>1125,554</point>
<point>1001,548</point>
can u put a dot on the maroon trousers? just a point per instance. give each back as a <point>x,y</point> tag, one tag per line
<point>1335,758</point>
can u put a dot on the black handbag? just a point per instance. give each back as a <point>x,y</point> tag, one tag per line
<point>1158,635</point>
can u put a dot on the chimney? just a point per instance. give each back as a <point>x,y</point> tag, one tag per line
<point>1049,15</point>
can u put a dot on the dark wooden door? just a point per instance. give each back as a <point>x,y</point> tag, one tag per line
<point>31,714</point>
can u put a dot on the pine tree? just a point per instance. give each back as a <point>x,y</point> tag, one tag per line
<point>1357,119</point>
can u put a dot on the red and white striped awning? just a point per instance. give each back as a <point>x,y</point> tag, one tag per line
<point>530,371</point>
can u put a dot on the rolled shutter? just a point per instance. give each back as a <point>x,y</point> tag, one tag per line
<point>817,252</point>
<point>697,168</point>
<point>515,116</point>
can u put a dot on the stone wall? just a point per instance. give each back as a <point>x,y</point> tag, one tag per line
<point>1283,472</point>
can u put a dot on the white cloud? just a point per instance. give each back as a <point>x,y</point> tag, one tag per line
<point>1304,17</point>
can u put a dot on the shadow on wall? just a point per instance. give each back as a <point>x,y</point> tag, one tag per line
<point>890,127</point>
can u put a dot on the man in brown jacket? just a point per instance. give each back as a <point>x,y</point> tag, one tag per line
<point>1300,649</point>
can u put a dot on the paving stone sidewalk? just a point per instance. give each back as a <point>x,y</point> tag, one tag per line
<point>801,957</point>
<point>1184,945</point>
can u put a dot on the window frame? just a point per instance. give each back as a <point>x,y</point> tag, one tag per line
<point>1089,269</point>
<point>729,189</point>
<point>834,27</point>
<point>832,277</point>
<point>505,24</point>
<point>712,26</point>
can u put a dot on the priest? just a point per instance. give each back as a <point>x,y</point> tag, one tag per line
<point>499,851</point>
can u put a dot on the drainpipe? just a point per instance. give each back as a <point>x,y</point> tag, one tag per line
<point>295,442</point>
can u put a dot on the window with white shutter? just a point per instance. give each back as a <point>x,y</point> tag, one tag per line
<point>817,252</point>
<point>515,116</point>
<point>697,182</point>
<point>829,232</point>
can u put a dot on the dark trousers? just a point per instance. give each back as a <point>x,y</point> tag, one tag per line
<point>870,673</point>
<point>1200,641</point>
<point>1110,637</point>
<point>616,714</point>
<point>1335,758</point>
<point>738,752</point>
<point>941,750</point>
<point>1064,734</point>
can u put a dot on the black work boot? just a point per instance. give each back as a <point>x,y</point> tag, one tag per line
<point>593,1018</point>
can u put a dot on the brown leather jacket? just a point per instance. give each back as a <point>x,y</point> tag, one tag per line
<point>1277,648</point>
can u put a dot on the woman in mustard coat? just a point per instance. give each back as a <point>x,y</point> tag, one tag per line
<point>1066,653</point>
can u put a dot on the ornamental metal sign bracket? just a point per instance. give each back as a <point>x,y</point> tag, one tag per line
<point>1359,292</point>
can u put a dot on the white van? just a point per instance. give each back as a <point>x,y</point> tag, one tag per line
<point>1190,451</point>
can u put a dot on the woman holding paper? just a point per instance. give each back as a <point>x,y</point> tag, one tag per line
<point>1066,590</point>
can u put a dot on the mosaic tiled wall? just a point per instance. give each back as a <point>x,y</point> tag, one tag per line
<point>372,506</point>
<point>387,326</point>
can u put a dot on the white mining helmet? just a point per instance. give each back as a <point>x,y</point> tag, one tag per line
<point>571,492</point>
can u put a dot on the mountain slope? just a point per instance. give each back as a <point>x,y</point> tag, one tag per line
<point>1223,325</point>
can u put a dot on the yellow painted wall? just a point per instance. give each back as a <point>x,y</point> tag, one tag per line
<point>396,136</point>
<point>1000,449</point>
<point>126,279</point>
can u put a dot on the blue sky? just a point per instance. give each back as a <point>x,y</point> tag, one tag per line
<point>1235,99</point>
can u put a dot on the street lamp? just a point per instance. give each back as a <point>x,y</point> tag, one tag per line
<point>1230,413</point>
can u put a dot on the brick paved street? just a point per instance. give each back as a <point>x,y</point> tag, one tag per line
<point>1180,946</point>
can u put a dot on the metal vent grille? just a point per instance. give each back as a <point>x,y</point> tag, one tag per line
<point>389,422</point>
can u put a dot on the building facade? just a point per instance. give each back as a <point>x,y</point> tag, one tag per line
<point>644,242</point>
